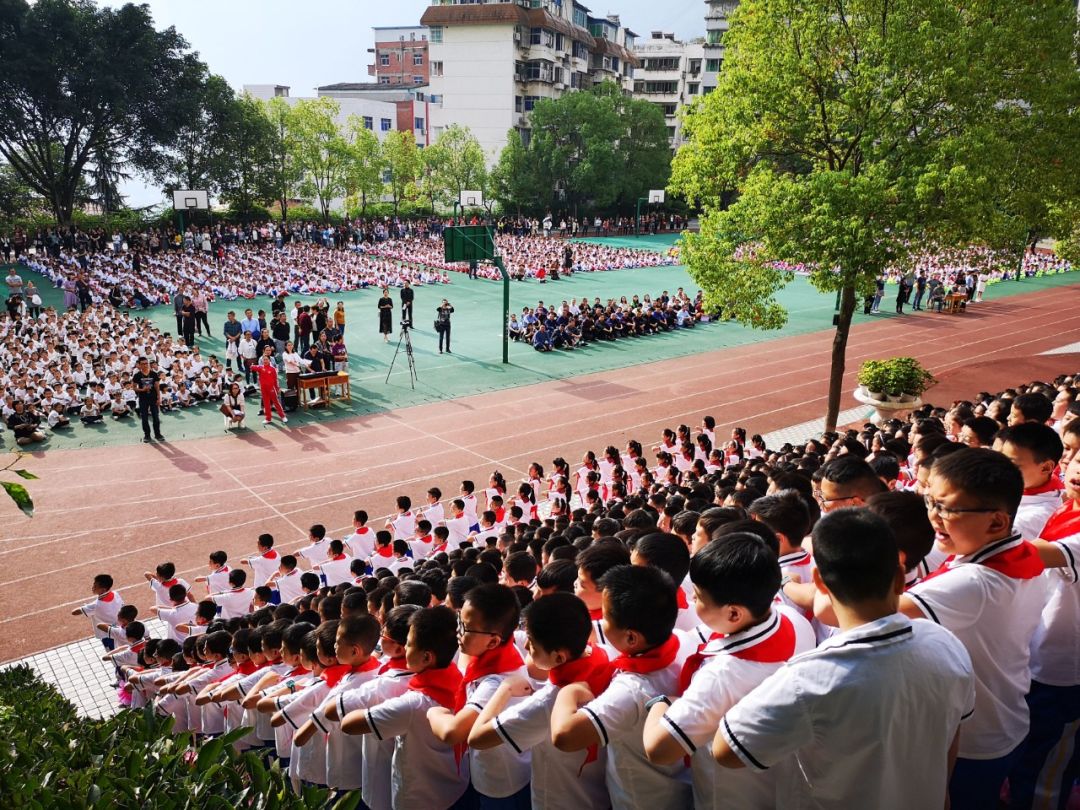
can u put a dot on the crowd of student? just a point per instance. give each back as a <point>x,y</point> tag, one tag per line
<point>884,617</point>
<point>572,324</point>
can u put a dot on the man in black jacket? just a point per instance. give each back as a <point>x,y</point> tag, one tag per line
<point>407,295</point>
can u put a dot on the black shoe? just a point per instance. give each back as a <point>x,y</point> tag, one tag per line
<point>159,437</point>
<point>146,439</point>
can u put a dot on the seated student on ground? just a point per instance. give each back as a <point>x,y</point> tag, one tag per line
<point>1035,449</point>
<point>873,706</point>
<point>557,629</point>
<point>639,612</point>
<point>991,595</point>
<point>735,582</point>
<point>429,654</point>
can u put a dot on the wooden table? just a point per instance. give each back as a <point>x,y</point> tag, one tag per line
<point>953,303</point>
<point>325,386</point>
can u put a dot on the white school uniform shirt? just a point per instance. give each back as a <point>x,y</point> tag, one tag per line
<point>378,754</point>
<point>263,566</point>
<point>344,752</point>
<point>559,779</point>
<point>307,762</point>
<point>1034,511</point>
<point>459,531</point>
<point>417,751</point>
<point>103,610</point>
<point>870,713</point>
<point>995,616</point>
<point>1055,647</point>
<point>283,734</point>
<point>733,666</point>
<point>234,602</point>
<point>289,587</point>
<point>798,565</point>
<point>337,571</point>
<point>259,721</point>
<point>180,614</point>
<point>218,581</point>
<point>404,526</point>
<point>470,508</point>
<point>211,715</point>
<point>434,514</point>
<point>161,590</point>
<point>316,552</point>
<point>619,718</point>
<point>361,543</point>
<point>501,771</point>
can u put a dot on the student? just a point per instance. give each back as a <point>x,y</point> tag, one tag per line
<point>468,497</point>
<point>306,674</point>
<point>181,610</point>
<point>485,531</point>
<point>485,633</point>
<point>458,524</point>
<point>592,564</point>
<point>557,631</point>
<point>846,481</point>
<point>116,632</point>
<point>670,554</point>
<point>1049,759</point>
<point>384,551</point>
<point>639,613</point>
<point>788,516</point>
<point>404,524</point>
<point>905,512</point>
<point>236,601</point>
<point>216,650</point>
<point>218,578</point>
<point>989,593</point>
<point>335,569</point>
<point>874,710</point>
<point>132,644</point>
<point>422,542</point>
<point>104,609</point>
<point>1035,449</point>
<point>265,562</point>
<point>434,511</point>
<point>361,543</point>
<point>307,762</point>
<point>735,581</point>
<point>391,681</point>
<point>163,578</point>
<point>287,580</point>
<point>429,653</point>
<point>319,549</point>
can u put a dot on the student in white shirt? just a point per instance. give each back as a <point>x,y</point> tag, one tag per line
<point>991,595</point>
<point>266,563</point>
<point>361,543</point>
<point>434,512</point>
<point>875,710</point>
<point>180,611</point>
<point>236,601</point>
<point>458,524</point>
<point>218,578</point>
<point>1035,449</point>
<point>519,717</point>
<point>404,524</point>
<point>319,549</point>
<point>671,555</point>
<point>104,609</point>
<point>429,654</point>
<point>335,568</point>
<point>287,580</point>
<point>735,582</point>
<point>163,578</point>
<point>639,613</point>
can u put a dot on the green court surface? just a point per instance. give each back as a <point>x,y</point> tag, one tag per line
<point>476,363</point>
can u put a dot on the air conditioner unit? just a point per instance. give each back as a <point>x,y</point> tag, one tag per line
<point>517,36</point>
<point>560,86</point>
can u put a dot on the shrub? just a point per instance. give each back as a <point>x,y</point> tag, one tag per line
<point>897,375</point>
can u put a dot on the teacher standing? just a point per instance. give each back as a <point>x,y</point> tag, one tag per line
<point>146,388</point>
<point>386,314</point>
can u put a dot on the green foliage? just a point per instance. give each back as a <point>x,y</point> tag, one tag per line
<point>17,200</point>
<point>319,149</point>
<point>405,163</point>
<point>52,758</point>
<point>77,79</point>
<point>852,133</point>
<point>363,170</point>
<point>897,375</point>
<point>284,169</point>
<point>595,149</point>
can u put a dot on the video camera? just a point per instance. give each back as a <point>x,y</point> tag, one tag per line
<point>405,324</point>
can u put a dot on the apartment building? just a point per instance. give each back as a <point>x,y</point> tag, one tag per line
<point>492,61</point>
<point>669,74</point>
<point>400,56</point>
<point>717,14</point>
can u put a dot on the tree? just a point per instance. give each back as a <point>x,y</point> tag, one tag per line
<point>643,147</point>
<point>462,165</point>
<point>16,197</point>
<point>75,78</point>
<point>363,171</point>
<point>432,181</point>
<point>106,175</point>
<point>248,173</point>
<point>511,181</point>
<point>284,169</point>
<point>402,160</point>
<point>320,150</point>
<point>855,132</point>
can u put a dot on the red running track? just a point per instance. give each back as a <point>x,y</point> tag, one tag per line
<point>122,510</point>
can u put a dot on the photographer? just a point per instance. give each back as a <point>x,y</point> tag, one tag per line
<point>442,324</point>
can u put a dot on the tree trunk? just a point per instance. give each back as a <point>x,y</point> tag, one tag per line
<point>839,355</point>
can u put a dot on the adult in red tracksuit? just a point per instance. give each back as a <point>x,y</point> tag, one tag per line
<point>268,385</point>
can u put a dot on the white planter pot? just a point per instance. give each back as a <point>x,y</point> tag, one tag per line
<point>895,398</point>
<point>877,396</point>
<point>907,397</point>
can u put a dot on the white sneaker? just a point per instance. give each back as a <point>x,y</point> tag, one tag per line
<point>285,419</point>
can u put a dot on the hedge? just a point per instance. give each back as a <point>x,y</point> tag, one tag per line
<point>52,758</point>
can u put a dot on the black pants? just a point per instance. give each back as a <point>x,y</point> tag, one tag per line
<point>148,410</point>
<point>189,334</point>
<point>179,324</point>
<point>444,333</point>
<point>201,321</point>
<point>406,311</point>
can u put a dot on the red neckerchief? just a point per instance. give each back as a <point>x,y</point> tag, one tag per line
<point>247,667</point>
<point>295,671</point>
<point>596,614</point>
<point>693,663</point>
<point>337,557</point>
<point>425,539</point>
<point>651,661</point>
<point>504,658</point>
<point>270,555</point>
<point>439,547</point>
<point>107,597</point>
<point>1016,559</point>
<point>384,551</point>
<point>500,514</point>
<point>1055,484</point>
<point>594,669</point>
<point>1065,522</point>
<point>168,583</point>
<point>393,664</point>
<point>333,675</point>
<point>137,648</point>
<point>441,685</point>
<point>680,599</point>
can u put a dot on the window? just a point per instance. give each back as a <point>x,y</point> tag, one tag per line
<point>384,80</point>
<point>615,64</point>
<point>387,175</point>
<point>436,33</point>
<point>538,71</point>
<point>712,65</point>
<point>418,58</point>
<point>559,42</point>
<point>668,109</point>
<point>418,124</point>
<point>580,51</point>
<point>557,74</point>
<point>535,35</point>
<point>384,59</point>
<point>385,124</point>
<point>671,133</point>
<point>530,102</point>
<point>517,104</point>
<point>692,89</point>
<point>369,122</point>
<point>715,37</point>
<point>417,79</point>
<point>436,68</point>
<point>695,67</point>
<point>581,18</point>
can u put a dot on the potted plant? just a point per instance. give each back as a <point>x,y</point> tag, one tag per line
<point>907,379</point>
<point>874,378</point>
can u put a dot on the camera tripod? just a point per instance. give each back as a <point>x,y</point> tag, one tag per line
<point>406,337</point>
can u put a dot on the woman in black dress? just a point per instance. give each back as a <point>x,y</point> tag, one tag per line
<point>386,315</point>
